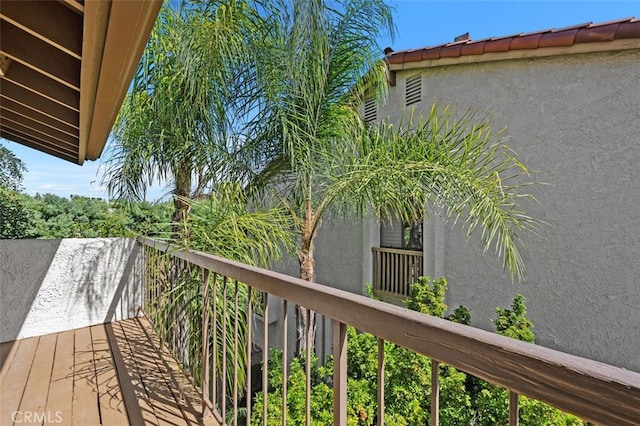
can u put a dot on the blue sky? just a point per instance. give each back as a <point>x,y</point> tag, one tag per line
<point>420,23</point>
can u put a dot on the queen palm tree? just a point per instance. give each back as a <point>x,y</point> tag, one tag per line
<point>174,125</point>
<point>313,68</point>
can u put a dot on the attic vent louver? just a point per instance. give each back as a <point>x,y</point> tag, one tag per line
<point>413,90</point>
<point>370,110</point>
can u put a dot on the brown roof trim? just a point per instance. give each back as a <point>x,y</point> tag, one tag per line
<point>621,34</point>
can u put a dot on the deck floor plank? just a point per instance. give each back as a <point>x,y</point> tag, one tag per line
<point>37,387</point>
<point>141,407</point>
<point>7,352</point>
<point>60,396</point>
<point>85,390</point>
<point>153,378</point>
<point>183,390</point>
<point>111,374</point>
<point>112,407</point>
<point>14,382</point>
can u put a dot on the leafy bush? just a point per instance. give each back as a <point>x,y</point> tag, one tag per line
<point>514,322</point>
<point>15,221</point>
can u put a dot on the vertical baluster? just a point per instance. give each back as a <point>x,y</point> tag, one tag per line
<point>308,368</point>
<point>392,267</point>
<point>513,409</point>
<point>374,259</point>
<point>265,357</point>
<point>396,272</point>
<point>377,281</point>
<point>214,327</point>
<point>339,373</point>
<point>206,412</point>
<point>173,262</point>
<point>144,277</point>
<point>385,267</point>
<point>403,268</point>
<point>435,393</point>
<point>387,275</point>
<point>249,351</point>
<point>285,315</point>
<point>380,382</point>
<point>223,397</point>
<point>235,355</point>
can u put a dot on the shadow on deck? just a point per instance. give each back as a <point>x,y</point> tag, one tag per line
<point>109,374</point>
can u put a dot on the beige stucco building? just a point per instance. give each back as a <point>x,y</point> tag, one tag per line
<point>570,100</point>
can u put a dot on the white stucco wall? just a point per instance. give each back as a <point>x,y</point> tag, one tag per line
<point>49,286</point>
<point>575,121</point>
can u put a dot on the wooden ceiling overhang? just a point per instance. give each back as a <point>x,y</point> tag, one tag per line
<point>65,67</point>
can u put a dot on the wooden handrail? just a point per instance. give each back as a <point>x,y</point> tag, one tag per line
<point>597,392</point>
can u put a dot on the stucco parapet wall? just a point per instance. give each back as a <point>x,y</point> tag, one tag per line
<point>49,286</point>
<point>543,52</point>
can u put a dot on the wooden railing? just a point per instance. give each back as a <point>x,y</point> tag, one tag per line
<point>395,270</point>
<point>597,392</point>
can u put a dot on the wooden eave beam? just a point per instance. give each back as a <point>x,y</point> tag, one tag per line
<point>31,142</point>
<point>36,126</point>
<point>49,21</point>
<point>130,23</point>
<point>34,101</point>
<point>36,54</point>
<point>41,136</point>
<point>38,116</point>
<point>36,82</point>
<point>74,5</point>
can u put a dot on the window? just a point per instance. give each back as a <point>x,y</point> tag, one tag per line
<point>401,235</point>
<point>413,90</point>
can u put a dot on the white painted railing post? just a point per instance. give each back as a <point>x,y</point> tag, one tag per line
<point>339,373</point>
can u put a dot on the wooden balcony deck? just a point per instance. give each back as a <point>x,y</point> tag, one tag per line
<point>111,374</point>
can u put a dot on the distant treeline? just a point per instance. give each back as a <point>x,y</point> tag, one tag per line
<point>52,216</point>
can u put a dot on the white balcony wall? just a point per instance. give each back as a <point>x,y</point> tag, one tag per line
<point>49,286</point>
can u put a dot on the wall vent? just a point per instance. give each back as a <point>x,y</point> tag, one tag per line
<point>370,110</point>
<point>413,90</point>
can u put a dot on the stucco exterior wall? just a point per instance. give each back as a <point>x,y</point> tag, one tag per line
<point>574,121</point>
<point>50,286</point>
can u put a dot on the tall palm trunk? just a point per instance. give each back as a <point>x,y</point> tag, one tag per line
<point>181,192</point>
<point>305,318</point>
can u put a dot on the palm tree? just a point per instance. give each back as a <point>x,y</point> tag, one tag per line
<point>313,67</point>
<point>174,124</point>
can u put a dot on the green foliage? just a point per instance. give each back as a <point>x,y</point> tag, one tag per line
<point>222,224</point>
<point>514,322</point>
<point>81,217</point>
<point>321,398</point>
<point>427,296</point>
<point>11,170</point>
<point>15,220</point>
<point>461,315</point>
<point>177,124</point>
